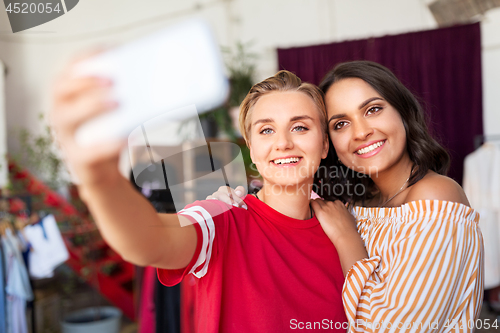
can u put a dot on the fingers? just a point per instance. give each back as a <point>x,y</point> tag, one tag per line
<point>334,206</point>
<point>237,195</point>
<point>341,204</point>
<point>67,88</point>
<point>315,202</point>
<point>66,82</point>
<point>318,206</point>
<point>68,116</point>
<point>221,195</point>
<point>240,191</point>
<point>229,196</point>
<point>69,68</point>
<point>234,197</point>
<point>75,100</point>
<point>319,202</point>
<point>78,99</point>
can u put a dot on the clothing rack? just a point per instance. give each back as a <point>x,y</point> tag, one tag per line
<point>15,224</point>
<point>480,139</point>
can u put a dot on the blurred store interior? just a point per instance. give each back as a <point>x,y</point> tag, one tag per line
<point>445,51</point>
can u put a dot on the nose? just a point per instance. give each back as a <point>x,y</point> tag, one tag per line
<point>362,129</point>
<point>283,141</point>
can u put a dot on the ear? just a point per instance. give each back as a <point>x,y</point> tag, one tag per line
<point>326,146</point>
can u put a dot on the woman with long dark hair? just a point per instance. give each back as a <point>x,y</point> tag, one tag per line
<point>425,261</point>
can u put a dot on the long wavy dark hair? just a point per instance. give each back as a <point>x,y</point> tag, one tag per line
<point>424,151</point>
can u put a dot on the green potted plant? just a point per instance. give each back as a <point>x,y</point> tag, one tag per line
<point>40,157</point>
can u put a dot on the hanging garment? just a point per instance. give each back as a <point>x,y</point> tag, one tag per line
<point>48,248</point>
<point>25,247</point>
<point>482,186</point>
<point>3,328</point>
<point>18,287</point>
<point>157,300</point>
<point>25,251</point>
<point>167,305</point>
<point>147,306</point>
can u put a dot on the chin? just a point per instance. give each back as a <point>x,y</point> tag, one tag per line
<point>286,182</point>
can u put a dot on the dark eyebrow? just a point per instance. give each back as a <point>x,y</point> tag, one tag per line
<point>362,105</point>
<point>336,116</point>
<point>270,120</point>
<point>369,100</point>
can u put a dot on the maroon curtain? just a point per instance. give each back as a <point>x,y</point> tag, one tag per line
<point>442,67</point>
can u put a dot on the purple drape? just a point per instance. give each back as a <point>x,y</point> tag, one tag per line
<point>442,67</point>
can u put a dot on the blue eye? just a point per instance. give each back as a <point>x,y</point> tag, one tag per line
<point>266,131</point>
<point>300,129</point>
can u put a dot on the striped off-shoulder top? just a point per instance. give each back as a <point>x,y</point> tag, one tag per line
<point>424,272</point>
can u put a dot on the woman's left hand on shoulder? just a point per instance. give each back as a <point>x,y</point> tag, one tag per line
<point>334,218</point>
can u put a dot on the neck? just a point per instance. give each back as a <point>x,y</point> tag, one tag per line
<point>391,180</point>
<point>292,201</point>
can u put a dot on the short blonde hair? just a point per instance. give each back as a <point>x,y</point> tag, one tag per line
<point>280,82</point>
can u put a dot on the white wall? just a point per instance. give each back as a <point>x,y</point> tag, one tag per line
<point>490,42</point>
<point>34,56</point>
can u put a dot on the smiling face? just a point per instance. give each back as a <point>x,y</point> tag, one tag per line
<point>286,139</point>
<point>367,132</point>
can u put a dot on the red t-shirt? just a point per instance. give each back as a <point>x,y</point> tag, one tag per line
<point>258,270</point>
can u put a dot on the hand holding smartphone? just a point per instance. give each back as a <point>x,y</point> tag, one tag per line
<point>156,75</point>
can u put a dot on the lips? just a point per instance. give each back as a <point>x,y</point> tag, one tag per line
<point>370,147</point>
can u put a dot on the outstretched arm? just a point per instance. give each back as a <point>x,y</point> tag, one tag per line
<point>130,224</point>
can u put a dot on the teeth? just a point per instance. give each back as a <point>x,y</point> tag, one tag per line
<point>286,160</point>
<point>370,148</point>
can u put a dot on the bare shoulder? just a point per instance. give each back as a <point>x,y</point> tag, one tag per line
<point>437,187</point>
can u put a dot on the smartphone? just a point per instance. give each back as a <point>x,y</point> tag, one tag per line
<point>156,75</point>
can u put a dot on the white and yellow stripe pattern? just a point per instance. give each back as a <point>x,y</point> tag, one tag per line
<point>424,272</point>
